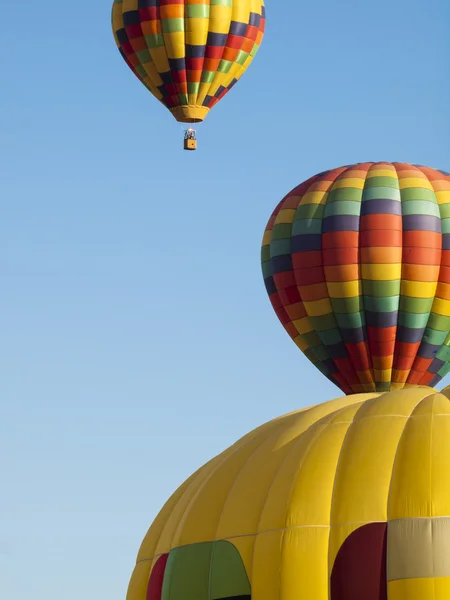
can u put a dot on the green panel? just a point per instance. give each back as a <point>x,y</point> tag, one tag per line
<point>154,40</point>
<point>375,193</point>
<point>343,207</point>
<point>444,210</point>
<point>388,304</point>
<point>280,247</point>
<point>205,571</point>
<point>208,76</point>
<point>340,194</point>
<point>351,321</point>
<point>384,386</point>
<point>439,322</point>
<point>193,87</point>
<point>322,368</point>
<point>416,305</point>
<point>187,573</point>
<point>241,57</point>
<point>172,25</point>
<point>320,352</point>
<point>281,231</point>
<point>443,353</point>
<point>221,2</point>
<point>381,288</point>
<point>436,338</point>
<point>418,193</point>
<point>444,370</point>
<point>141,71</point>
<point>265,253</point>
<point>413,320</point>
<point>144,57</point>
<point>445,225</point>
<point>307,227</point>
<point>323,323</point>
<point>228,576</point>
<point>197,11</point>
<point>381,182</point>
<point>420,207</point>
<point>254,50</point>
<point>311,339</point>
<point>347,305</point>
<point>309,211</point>
<point>266,269</point>
<point>225,66</point>
<point>329,338</point>
<point>184,99</point>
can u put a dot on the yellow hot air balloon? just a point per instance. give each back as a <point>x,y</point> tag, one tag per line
<point>188,53</point>
<point>347,500</point>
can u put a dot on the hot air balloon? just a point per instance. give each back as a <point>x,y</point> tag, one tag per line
<point>347,500</point>
<point>356,262</point>
<point>188,53</point>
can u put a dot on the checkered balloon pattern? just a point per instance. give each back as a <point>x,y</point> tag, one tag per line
<point>356,262</point>
<point>188,53</point>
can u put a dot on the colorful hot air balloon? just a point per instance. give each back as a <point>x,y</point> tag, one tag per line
<point>347,500</point>
<point>188,53</point>
<point>356,262</point>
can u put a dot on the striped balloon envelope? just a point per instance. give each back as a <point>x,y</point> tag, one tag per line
<point>356,262</point>
<point>188,53</point>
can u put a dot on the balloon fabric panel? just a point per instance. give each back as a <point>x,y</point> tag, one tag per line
<point>188,53</point>
<point>356,262</point>
<point>347,500</point>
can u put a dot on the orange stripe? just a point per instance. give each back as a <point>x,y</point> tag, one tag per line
<point>381,254</point>
<point>420,272</point>
<point>342,273</point>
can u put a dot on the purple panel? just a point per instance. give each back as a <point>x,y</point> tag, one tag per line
<point>421,223</point>
<point>340,223</point>
<point>380,319</point>
<point>381,206</point>
<point>409,335</point>
<point>306,242</point>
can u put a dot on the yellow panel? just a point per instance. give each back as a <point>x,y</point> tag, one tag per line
<point>441,307</point>
<point>267,238</point>
<point>175,44</point>
<point>196,31</point>
<point>201,519</point>
<point>266,565</point>
<point>285,215</point>
<point>303,325</point>
<point>349,182</point>
<point>318,307</point>
<point>313,486</point>
<point>419,589</point>
<point>443,196</point>
<point>304,568</point>
<point>246,500</point>
<point>415,182</point>
<point>383,272</point>
<point>418,289</point>
<point>344,289</point>
<point>410,488</point>
<point>382,173</point>
<point>137,589</point>
<point>314,198</point>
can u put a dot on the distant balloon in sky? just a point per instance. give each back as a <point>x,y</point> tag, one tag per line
<point>356,262</point>
<point>188,53</point>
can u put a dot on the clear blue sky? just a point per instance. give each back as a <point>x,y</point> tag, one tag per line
<point>137,340</point>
